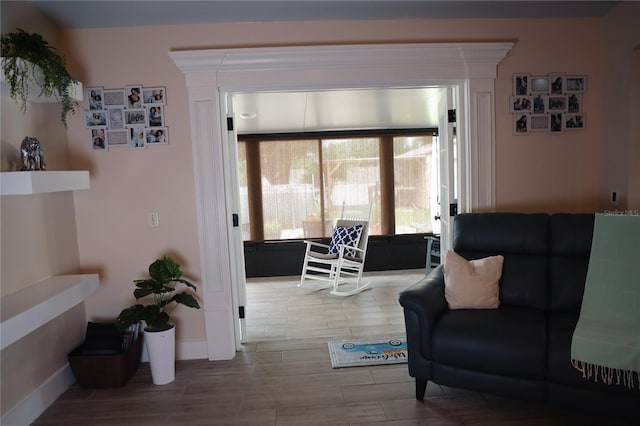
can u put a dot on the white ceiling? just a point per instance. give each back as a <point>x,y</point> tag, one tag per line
<point>124,13</point>
<point>309,111</point>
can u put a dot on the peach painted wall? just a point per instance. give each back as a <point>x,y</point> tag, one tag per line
<point>534,173</point>
<point>38,232</point>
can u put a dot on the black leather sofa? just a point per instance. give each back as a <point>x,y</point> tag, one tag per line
<point>523,348</point>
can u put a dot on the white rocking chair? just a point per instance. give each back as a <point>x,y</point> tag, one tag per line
<point>342,262</point>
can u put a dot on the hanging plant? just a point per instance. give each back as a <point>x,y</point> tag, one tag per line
<point>29,59</point>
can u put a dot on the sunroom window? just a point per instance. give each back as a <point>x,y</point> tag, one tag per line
<point>293,188</point>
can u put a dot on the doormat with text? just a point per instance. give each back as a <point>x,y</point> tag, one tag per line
<point>361,352</point>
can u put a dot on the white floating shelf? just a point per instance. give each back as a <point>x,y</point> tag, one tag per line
<point>40,182</point>
<point>31,307</point>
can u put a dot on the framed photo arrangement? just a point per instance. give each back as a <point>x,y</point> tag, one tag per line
<point>547,103</point>
<point>132,116</point>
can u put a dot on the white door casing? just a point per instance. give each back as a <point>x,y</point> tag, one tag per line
<point>445,168</point>
<point>212,74</point>
<point>236,247</point>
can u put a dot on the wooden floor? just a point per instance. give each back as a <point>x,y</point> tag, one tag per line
<point>283,375</point>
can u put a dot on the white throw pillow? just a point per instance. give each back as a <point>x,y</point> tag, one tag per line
<point>472,284</point>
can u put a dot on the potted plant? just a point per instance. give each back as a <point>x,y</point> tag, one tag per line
<point>29,59</point>
<point>159,332</point>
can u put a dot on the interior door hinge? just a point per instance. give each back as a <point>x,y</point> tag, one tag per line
<point>229,123</point>
<point>241,312</point>
<point>451,116</point>
<point>235,219</point>
<point>453,209</point>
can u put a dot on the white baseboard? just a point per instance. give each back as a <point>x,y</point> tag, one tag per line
<point>191,349</point>
<point>40,399</point>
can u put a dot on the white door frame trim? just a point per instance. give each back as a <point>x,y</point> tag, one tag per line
<point>211,74</point>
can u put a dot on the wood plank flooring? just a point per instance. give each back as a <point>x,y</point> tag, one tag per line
<point>283,374</point>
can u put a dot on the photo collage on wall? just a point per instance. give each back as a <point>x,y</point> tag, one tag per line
<point>132,116</point>
<point>550,103</point>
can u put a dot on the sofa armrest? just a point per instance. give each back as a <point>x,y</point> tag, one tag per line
<point>426,296</point>
<point>423,304</point>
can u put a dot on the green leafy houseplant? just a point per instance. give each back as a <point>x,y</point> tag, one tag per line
<point>29,59</point>
<point>164,275</point>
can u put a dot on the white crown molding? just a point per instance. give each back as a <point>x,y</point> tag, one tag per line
<point>311,57</point>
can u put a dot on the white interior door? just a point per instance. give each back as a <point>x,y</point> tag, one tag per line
<point>238,273</point>
<point>446,167</point>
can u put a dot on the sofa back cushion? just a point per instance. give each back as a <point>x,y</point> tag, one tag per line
<point>569,250</point>
<point>522,239</point>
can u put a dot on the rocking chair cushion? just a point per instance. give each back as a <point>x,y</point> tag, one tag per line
<point>323,256</point>
<point>347,236</point>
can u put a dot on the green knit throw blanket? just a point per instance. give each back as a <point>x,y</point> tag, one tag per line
<point>606,341</point>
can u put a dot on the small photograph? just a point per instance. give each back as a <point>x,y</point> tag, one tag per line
<point>157,136</point>
<point>539,84</point>
<point>98,140</point>
<point>574,102</point>
<point>134,96</point>
<point>116,117</point>
<point>557,103</point>
<point>521,124</point>
<point>154,95</point>
<point>96,118</point>
<point>117,138</point>
<point>555,123</point>
<point>574,121</point>
<point>95,97</point>
<point>556,82</point>
<point>135,117</point>
<point>155,116</point>
<point>521,84</point>
<point>576,84</point>
<point>136,137</point>
<point>539,123</point>
<point>520,103</point>
<point>114,97</point>
<point>540,104</point>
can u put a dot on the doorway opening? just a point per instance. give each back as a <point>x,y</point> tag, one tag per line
<point>211,75</point>
<point>249,142</point>
<point>302,153</point>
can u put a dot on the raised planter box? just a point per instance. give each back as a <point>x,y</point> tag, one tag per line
<point>75,90</point>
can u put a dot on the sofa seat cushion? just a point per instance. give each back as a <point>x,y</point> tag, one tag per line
<point>508,341</point>
<point>561,327</point>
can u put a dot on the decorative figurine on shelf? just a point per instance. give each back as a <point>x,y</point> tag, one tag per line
<point>32,154</point>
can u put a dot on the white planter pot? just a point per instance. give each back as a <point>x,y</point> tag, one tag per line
<point>161,346</point>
